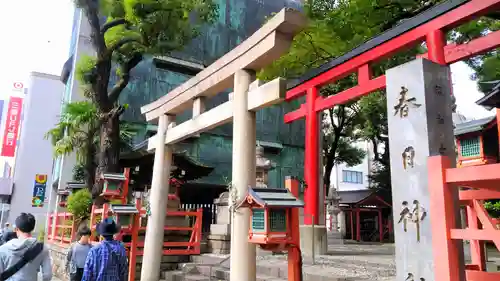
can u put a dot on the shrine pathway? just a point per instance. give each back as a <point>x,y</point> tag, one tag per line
<point>351,261</point>
<point>359,261</point>
<point>53,278</point>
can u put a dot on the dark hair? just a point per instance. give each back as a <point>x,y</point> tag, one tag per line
<point>83,231</point>
<point>25,222</point>
<point>9,236</point>
<point>108,237</point>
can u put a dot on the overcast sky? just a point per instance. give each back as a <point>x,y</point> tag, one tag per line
<point>36,36</point>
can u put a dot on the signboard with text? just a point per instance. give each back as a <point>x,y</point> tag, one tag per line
<point>12,126</point>
<point>39,191</point>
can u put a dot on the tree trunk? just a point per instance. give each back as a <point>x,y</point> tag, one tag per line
<point>109,152</point>
<point>326,177</point>
<point>90,166</point>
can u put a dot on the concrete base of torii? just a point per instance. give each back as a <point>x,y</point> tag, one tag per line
<point>313,240</point>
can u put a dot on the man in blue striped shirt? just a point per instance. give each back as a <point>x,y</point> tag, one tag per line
<point>108,260</point>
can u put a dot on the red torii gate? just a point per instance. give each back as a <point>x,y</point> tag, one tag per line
<point>430,26</point>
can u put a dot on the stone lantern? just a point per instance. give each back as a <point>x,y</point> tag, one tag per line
<point>219,240</point>
<point>333,206</point>
<point>333,211</point>
<point>263,166</point>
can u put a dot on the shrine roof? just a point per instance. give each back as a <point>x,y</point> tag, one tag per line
<point>192,168</point>
<point>75,185</point>
<point>492,99</point>
<point>353,196</point>
<point>364,197</point>
<point>473,125</point>
<point>124,209</point>
<point>274,197</point>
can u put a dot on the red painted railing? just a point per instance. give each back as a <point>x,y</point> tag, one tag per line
<point>444,183</point>
<point>61,228</point>
<point>191,247</point>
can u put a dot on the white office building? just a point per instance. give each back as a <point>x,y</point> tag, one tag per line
<point>41,107</point>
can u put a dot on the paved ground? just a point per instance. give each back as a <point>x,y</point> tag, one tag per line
<point>355,261</point>
<point>53,278</point>
<point>350,262</point>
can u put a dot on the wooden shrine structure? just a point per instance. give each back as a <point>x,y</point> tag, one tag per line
<point>127,204</point>
<point>477,142</point>
<point>359,206</point>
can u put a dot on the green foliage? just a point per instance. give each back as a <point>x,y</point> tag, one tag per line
<point>336,27</point>
<point>77,131</point>
<point>72,131</point>
<point>85,66</point>
<point>133,29</point>
<point>141,27</point>
<point>493,208</point>
<point>486,66</point>
<point>80,204</point>
<point>333,30</point>
<point>79,172</point>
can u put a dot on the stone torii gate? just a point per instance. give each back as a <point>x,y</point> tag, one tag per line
<point>236,69</point>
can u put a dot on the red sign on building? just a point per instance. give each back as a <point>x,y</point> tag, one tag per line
<point>12,126</point>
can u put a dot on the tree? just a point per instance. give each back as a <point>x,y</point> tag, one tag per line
<point>336,27</point>
<point>486,66</point>
<point>80,204</point>
<point>77,131</point>
<point>339,139</point>
<point>132,30</point>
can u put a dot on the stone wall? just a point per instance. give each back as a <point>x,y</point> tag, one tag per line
<point>58,256</point>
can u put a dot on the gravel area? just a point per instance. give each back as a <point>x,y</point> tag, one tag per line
<point>348,262</point>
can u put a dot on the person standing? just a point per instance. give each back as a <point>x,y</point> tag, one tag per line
<point>108,260</point>
<point>6,227</point>
<point>21,258</point>
<point>3,233</point>
<point>77,255</point>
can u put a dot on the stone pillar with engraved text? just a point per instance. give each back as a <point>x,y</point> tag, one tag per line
<point>419,105</point>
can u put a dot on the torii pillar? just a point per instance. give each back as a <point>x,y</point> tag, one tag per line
<point>313,238</point>
<point>243,253</point>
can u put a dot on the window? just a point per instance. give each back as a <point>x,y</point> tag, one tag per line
<point>469,147</point>
<point>352,176</point>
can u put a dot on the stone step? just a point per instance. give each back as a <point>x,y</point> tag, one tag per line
<point>179,275</point>
<point>334,238</point>
<point>276,268</point>
<point>192,272</point>
<point>168,259</point>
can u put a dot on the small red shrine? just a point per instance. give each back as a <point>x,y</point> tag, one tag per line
<point>477,142</point>
<point>367,213</point>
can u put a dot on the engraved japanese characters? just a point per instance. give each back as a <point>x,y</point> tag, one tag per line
<point>404,103</point>
<point>408,156</point>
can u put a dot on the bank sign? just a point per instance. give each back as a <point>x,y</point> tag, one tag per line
<point>39,189</point>
<point>12,127</point>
